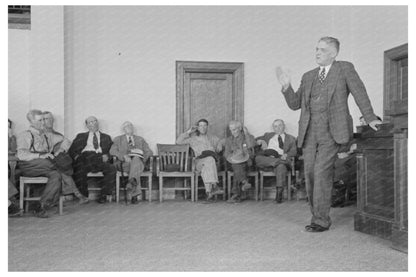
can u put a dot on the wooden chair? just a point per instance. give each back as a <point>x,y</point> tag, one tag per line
<point>98,175</point>
<point>25,183</point>
<point>221,174</point>
<point>264,173</point>
<point>173,161</point>
<point>251,173</point>
<point>145,174</point>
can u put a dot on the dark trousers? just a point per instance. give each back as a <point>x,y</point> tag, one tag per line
<point>320,152</point>
<point>44,168</point>
<point>92,162</point>
<point>278,165</point>
<point>240,174</point>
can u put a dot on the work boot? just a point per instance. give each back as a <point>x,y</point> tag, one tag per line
<point>279,195</point>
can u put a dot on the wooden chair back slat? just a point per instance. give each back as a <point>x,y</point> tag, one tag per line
<point>173,154</point>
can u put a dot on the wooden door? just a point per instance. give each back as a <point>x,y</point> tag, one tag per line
<point>209,90</point>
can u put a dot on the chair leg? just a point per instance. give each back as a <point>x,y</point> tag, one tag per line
<point>261,185</point>
<point>256,185</point>
<point>27,202</point>
<point>61,204</point>
<point>150,188</point>
<point>118,187</point>
<point>289,183</point>
<point>22,194</point>
<point>160,189</point>
<point>193,189</point>
<point>196,188</point>
<point>229,186</point>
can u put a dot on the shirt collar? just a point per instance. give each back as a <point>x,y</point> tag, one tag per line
<point>327,67</point>
<point>36,131</point>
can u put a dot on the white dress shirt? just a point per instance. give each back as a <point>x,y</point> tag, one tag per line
<point>90,145</point>
<point>274,143</point>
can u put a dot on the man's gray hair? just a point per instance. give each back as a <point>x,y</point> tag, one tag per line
<point>127,123</point>
<point>280,120</point>
<point>235,123</point>
<point>32,113</point>
<point>331,40</point>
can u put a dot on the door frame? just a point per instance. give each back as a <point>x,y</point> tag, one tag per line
<point>237,71</point>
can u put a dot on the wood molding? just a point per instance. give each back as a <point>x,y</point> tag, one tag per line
<point>237,71</point>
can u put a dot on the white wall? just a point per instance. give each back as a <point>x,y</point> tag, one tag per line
<point>120,61</point>
<point>36,67</point>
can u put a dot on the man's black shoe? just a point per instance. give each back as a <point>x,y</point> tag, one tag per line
<point>314,228</point>
<point>14,210</point>
<point>134,200</point>
<point>41,213</point>
<point>102,199</point>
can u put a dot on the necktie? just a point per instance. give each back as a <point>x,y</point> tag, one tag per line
<point>95,141</point>
<point>131,142</point>
<point>280,142</point>
<point>47,143</point>
<point>322,75</point>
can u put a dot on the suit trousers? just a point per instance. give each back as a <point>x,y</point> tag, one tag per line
<point>135,168</point>
<point>92,162</point>
<point>279,166</point>
<point>240,175</point>
<point>320,153</point>
<point>208,169</point>
<point>44,168</point>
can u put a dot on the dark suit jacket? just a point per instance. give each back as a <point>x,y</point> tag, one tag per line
<point>120,147</point>
<point>342,79</point>
<point>289,145</point>
<point>80,142</point>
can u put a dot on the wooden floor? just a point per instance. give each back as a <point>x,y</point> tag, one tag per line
<point>185,236</point>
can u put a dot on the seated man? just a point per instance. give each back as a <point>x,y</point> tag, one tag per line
<point>35,161</point>
<point>59,145</point>
<point>238,152</point>
<point>133,152</point>
<point>277,149</point>
<point>205,147</point>
<point>90,153</point>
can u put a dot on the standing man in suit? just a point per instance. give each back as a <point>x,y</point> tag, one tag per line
<point>325,122</point>
<point>133,151</point>
<point>90,153</point>
<point>277,150</point>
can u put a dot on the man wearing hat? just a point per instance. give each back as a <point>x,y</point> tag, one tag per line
<point>277,150</point>
<point>238,151</point>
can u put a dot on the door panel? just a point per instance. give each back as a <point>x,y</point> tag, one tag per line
<point>210,97</point>
<point>210,90</point>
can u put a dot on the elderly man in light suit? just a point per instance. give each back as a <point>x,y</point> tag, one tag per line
<point>133,151</point>
<point>325,122</point>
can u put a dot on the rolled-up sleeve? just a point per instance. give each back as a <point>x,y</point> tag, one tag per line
<point>24,141</point>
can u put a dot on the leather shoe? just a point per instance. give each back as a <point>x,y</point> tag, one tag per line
<point>102,199</point>
<point>314,228</point>
<point>134,200</point>
<point>83,200</point>
<point>234,199</point>
<point>41,213</point>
